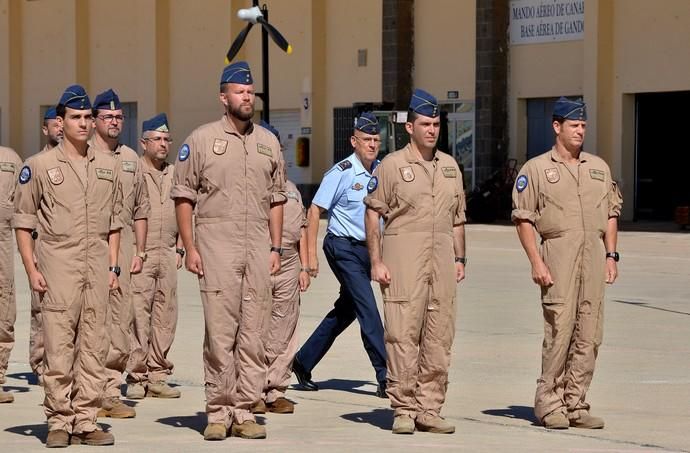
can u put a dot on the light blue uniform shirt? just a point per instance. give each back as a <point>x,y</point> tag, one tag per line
<point>341,193</point>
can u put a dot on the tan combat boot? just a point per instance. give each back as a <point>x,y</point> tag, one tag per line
<point>115,408</point>
<point>136,391</point>
<point>587,421</point>
<point>161,389</point>
<point>94,438</point>
<point>281,406</point>
<point>403,424</point>
<point>433,424</point>
<point>259,407</point>
<point>215,431</point>
<point>248,430</point>
<point>555,420</point>
<point>5,397</point>
<point>58,438</point>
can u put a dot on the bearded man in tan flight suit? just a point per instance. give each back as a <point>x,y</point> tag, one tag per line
<point>109,120</point>
<point>72,195</point>
<point>154,289</point>
<point>230,174</point>
<point>569,197</point>
<point>418,190</point>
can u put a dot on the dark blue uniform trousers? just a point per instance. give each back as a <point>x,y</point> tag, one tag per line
<point>349,261</point>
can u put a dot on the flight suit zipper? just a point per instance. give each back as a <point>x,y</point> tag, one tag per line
<point>246,200</point>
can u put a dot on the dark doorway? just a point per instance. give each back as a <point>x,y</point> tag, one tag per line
<point>540,135</point>
<point>662,161</point>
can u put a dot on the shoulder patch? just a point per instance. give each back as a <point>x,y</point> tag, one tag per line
<point>129,166</point>
<point>264,149</point>
<point>183,154</point>
<point>25,175</point>
<point>7,166</point>
<point>373,184</point>
<point>344,165</point>
<point>521,183</point>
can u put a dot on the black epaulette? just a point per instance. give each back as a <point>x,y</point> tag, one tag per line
<point>344,165</point>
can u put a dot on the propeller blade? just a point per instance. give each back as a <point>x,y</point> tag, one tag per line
<point>275,35</point>
<point>237,43</point>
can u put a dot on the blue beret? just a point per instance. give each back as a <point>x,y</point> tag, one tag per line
<point>424,104</point>
<point>158,123</point>
<point>272,129</point>
<point>107,100</point>
<point>367,123</point>
<point>75,97</point>
<point>50,114</point>
<point>237,72</point>
<point>570,110</point>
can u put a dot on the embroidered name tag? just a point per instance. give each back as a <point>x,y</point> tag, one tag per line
<point>7,166</point>
<point>292,195</point>
<point>220,146</point>
<point>449,172</point>
<point>55,175</point>
<point>597,174</point>
<point>104,173</point>
<point>129,166</point>
<point>263,149</point>
<point>552,175</point>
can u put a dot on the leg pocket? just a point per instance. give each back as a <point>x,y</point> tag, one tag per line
<point>396,319</point>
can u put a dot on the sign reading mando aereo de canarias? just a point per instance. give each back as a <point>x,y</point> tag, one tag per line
<point>539,21</point>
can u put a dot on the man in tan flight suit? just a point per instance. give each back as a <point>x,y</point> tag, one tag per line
<point>72,195</point>
<point>154,289</point>
<point>280,343</point>
<point>109,121</point>
<point>570,198</point>
<point>418,191</point>
<point>10,164</point>
<point>229,173</point>
<point>52,129</point>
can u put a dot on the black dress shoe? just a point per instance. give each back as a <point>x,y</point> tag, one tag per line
<point>303,377</point>
<point>381,391</point>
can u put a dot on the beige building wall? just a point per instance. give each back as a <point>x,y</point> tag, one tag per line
<point>444,47</point>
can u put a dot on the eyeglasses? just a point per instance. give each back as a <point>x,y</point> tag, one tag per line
<point>167,140</point>
<point>111,118</point>
<point>369,140</point>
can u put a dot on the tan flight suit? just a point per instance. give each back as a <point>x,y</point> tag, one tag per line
<point>154,289</point>
<point>35,329</point>
<point>570,208</point>
<point>232,179</point>
<point>135,206</point>
<point>281,341</point>
<point>421,202</point>
<point>10,165</point>
<point>74,215</point>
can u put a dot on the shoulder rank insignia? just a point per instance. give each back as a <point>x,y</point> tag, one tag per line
<point>344,165</point>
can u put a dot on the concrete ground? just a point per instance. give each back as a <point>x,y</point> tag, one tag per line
<point>641,386</point>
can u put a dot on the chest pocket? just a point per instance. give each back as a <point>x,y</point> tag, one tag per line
<point>356,196</point>
<point>61,222</point>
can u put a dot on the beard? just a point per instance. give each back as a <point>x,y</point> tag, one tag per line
<point>238,113</point>
<point>113,132</point>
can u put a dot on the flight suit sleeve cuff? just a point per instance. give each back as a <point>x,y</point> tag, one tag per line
<point>522,214</point>
<point>116,223</point>
<point>377,205</point>
<point>460,219</point>
<point>180,191</point>
<point>25,221</point>
<point>141,213</point>
<point>278,197</point>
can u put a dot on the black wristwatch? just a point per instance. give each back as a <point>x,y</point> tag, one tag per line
<point>278,250</point>
<point>115,270</point>
<point>180,252</point>
<point>616,257</point>
<point>461,260</point>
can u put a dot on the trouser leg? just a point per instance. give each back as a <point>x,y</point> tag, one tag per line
<point>163,319</point>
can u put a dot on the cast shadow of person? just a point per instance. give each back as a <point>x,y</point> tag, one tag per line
<point>40,430</point>
<point>380,418</point>
<point>346,385</point>
<point>29,377</point>
<point>195,422</point>
<point>515,412</point>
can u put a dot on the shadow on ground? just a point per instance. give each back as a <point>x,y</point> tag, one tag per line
<point>195,422</point>
<point>381,418</point>
<point>40,430</point>
<point>346,385</point>
<point>29,377</point>
<point>516,412</point>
